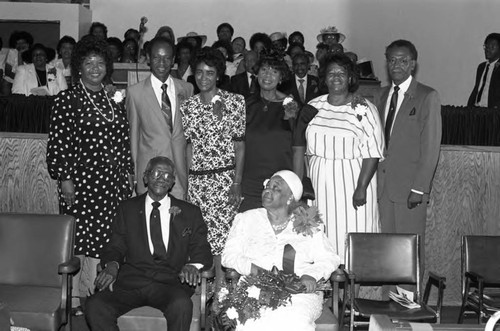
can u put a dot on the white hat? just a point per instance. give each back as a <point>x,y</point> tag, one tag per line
<point>293,181</point>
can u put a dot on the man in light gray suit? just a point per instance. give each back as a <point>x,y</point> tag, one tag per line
<point>411,113</point>
<point>155,119</point>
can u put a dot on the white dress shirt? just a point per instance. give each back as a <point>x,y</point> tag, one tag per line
<point>156,83</point>
<point>484,96</point>
<point>164,218</point>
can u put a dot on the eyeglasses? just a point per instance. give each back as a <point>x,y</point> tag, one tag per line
<point>156,174</point>
<point>490,46</point>
<point>393,61</point>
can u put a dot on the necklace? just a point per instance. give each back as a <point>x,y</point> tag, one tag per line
<point>97,108</point>
<point>280,227</point>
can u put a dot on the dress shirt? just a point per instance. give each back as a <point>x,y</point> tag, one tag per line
<point>164,217</point>
<point>484,97</point>
<point>156,83</point>
<point>249,77</point>
<point>403,87</point>
<point>298,83</point>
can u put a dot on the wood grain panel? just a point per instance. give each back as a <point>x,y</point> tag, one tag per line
<point>25,185</point>
<point>465,200</point>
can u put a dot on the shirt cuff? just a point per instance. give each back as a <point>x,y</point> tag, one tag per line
<point>418,192</point>
<point>197,265</point>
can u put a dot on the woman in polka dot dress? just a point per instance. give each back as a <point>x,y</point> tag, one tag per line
<point>88,153</point>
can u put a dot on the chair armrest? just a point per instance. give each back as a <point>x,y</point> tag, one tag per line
<point>437,278</point>
<point>475,277</point>
<point>209,273</point>
<point>70,267</point>
<point>440,283</point>
<point>338,276</point>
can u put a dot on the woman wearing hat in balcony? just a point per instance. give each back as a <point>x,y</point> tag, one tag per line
<point>38,77</point>
<point>330,36</point>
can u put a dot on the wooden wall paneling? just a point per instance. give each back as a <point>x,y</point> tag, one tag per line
<point>25,185</point>
<point>465,200</point>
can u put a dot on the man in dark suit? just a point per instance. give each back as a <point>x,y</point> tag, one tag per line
<point>486,92</point>
<point>302,86</point>
<point>411,113</point>
<point>158,246</point>
<point>246,83</point>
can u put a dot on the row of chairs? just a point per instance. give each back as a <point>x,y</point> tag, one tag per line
<point>33,248</point>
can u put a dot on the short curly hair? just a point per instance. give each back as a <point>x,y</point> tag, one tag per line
<point>18,35</point>
<point>275,62</point>
<point>344,62</point>
<point>99,25</point>
<point>225,25</point>
<point>90,45</point>
<point>260,37</point>
<point>227,46</point>
<point>212,58</point>
<point>65,40</point>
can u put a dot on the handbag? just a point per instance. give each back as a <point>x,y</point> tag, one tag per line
<point>308,190</point>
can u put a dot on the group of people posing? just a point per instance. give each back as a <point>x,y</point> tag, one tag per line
<point>225,171</point>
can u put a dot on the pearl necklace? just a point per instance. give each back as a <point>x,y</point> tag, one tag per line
<point>280,227</point>
<point>97,108</point>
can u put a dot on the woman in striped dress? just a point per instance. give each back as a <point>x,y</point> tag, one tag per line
<point>343,136</point>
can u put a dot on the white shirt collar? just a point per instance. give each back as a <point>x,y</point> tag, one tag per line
<point>158,83</point>
<point>404,86</point>
<point>297,80</point>
<point>165,202</point>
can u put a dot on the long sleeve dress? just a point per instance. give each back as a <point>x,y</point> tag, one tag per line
<point>253,240</point>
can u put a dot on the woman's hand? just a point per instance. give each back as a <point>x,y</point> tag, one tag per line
<point>359,197</point>
<point>131,182</point>
<point>235,195</point>
<point>309,282</point>
<point>68,191</point>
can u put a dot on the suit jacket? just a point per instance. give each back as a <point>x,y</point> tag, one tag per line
<point>130,248</point>
<point>312,88</point>
<point>239,84</point>
<point>150,135</point>
<point>411,159</point>
<point>26,79</point>
<point>494,90</point>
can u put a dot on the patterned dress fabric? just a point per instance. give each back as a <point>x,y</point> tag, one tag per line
<point>268,147</point>
<point>92,148</point>
<point>213,160</point>
<point>338,139</point>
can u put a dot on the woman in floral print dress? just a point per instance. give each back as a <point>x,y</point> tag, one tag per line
<point>214,125</point>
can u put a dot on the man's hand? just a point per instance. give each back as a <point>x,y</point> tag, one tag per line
<point>309,282</point>
<point>414,199</point>
<point>108,276</point>
<point>190,274</point>
<point>68,191</point>
<point>359,197</point>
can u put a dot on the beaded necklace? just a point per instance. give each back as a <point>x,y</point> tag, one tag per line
<point>97,108</point>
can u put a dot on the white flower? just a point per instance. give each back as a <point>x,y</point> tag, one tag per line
<point>215,98</point>
<point>253,292</point>
<point>223,293</point>
<point>287,100</point>
<point>118,96</point>
<point>232,313</point>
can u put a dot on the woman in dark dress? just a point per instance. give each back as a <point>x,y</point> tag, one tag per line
<point>269,131</point>
<point>88,153</point>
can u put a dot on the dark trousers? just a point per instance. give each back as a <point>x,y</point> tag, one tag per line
<point>103,308</point>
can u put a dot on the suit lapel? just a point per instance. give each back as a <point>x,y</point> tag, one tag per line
<point>383,103</point>
<point>143,231</point>
<point>180,96</point>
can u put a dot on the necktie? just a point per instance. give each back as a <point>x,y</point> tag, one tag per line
<point>160,251</point>
<point>253,84</point>
<point>302,93</point>
<point>288,259</point>
<point>391,114</point>
<point>166,106</point>
<point>480,93</point>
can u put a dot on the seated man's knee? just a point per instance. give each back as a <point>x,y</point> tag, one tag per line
<point>97,311</point>
<point>180,306</point>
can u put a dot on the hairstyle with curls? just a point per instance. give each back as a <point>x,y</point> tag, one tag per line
<point>157,40</point>
<point>294,34</point>
<point>113,41</point>
<point>183,45</point>
<point>403,43</point>
<point>131,40</point>
<point>344,62</point>
<point>260,37</point>
<point>28,55</point>
<point>244,42</point>
<point>65,40</point>
<point>301,56</point>
<point>227,46</point>
<point>212,57</point>
<point>99,25</point>
<point>492,36</point>
<point>225,25</point>
<point>90,45</point>
<point>129,32</point>
<point>275,62</point>
<point>18,35</point>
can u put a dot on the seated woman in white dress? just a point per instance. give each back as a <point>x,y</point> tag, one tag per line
<point>257,240</point>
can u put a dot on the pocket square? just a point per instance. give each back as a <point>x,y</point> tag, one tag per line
<point>413,111</point>
<point>186,232</point>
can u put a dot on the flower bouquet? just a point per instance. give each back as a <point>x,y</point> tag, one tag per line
<point>253,293</point>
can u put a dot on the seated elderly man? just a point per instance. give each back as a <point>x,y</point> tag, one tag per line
<point>158,245</point>
<point>276,235</point>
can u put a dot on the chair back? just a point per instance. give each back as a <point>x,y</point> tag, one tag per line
<point>384,258</point>
<point>481,254</point>
<point>32,246</point>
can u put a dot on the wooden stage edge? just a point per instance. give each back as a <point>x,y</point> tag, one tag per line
<point>464,199</point>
